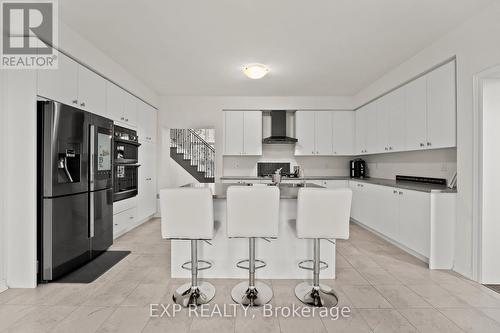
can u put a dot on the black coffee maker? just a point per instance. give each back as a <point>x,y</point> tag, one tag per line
<point>357,168</point>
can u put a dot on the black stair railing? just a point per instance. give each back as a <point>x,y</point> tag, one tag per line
<point>195,149</point>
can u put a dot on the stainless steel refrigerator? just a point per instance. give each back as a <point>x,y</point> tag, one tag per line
<point>75,190</point>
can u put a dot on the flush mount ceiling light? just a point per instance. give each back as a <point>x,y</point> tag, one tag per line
<point>256,71</point>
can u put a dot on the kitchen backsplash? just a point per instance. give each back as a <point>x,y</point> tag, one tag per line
<point>440,163</point>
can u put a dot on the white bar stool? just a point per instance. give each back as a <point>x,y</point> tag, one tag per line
<point>187,213</point>
<point>321,214</point>
<point>252,212</point>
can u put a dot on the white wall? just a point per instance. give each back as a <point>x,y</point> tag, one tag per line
<point>19,213</point>
<point>3,149</point>
<point>438,163</point>
<point>475,44</point>
<point>206,112</point>
<point>490,233</point>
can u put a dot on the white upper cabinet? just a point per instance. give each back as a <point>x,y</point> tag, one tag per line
<point>360,130</point>
<point>396,113</point>
<point>323,133</point>
<point>419,115</point>
<point>370,128</point>
<point>73,84</point>
<point>252,133</point>
<point>416,114</point>
<point>233,132</point>
<point>60,84</point>
<point>441,107</point>
<point>343,132</point>
<point>146,122</point>
<point>121,106</point>
<point>382,108</point>
<point>114,101</point>
<point>242,133</point>
<point>91,91</point>
<point>305,133</point>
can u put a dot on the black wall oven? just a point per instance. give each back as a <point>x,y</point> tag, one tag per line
<point>126,163</point>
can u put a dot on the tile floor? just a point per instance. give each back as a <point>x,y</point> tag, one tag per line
<point>387,290</point>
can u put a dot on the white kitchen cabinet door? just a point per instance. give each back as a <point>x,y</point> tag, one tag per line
<point>91,92</point>
<point>124,221</point>
<point>396,118</point>
<point>130,110</point>
<point>233,132</point>
<point>382,108</point>
<point>356,200</point>
<point>114,102</point>
<point>323,133</point>
<point>371,128</point>
<point>416,114</point>
<point>360,130</point>
<point>146,123</point>
<point>388,211</point>
<point>147,181</point>
<point>343,132</point>
<point>60,84</point>
<point>441,107</point>
<point>252,133</point>
<point>414,221</point>
<point>368,205</point>
<point>305,133</point>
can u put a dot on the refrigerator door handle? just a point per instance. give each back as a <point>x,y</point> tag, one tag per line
<point>92,156</point>
<point>91,215</point>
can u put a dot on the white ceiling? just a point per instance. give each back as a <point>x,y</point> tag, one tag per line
<point>197,47</point>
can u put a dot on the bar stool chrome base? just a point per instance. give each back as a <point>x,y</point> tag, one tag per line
<point>188,295</point>
<point>318,296</point>
<point>258,295</point>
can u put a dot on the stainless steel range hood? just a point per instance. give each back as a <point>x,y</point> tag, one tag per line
<point>278,129</point>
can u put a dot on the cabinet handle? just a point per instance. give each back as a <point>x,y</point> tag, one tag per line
<point>386,148</point>
<point>75,101</point>
<point>390,148</point>
<point>421,145</point>
<point>122,118</point>
<point>317,152</point>
<point>131,218</point>
<point>400,193</point>
<point>395,192</point>
<point>429,144</point>
<point>126,119</point>
<point>82,104</point>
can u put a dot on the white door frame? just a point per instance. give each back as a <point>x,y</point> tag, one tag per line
<point>477,200</point>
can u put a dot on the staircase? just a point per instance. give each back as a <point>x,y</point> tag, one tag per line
<point>193,154</point>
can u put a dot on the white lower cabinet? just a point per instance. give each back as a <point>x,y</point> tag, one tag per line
<point>401,215</point>
<point>124,221</point>
<point>414,221</point>
<point>387,218</point>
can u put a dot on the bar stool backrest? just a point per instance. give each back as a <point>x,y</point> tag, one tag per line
<point>253,211</point>
<point>323,213</point>
<point>187,213</point>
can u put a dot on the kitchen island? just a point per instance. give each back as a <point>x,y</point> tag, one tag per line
<point>282,255</point>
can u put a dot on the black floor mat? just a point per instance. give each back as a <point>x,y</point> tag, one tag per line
<point>97,267</point>
<point>494,287</point>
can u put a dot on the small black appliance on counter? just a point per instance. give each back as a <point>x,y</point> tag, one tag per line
<point>357,168</point>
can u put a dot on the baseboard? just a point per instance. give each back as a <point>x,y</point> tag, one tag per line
<point>392,241</point>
